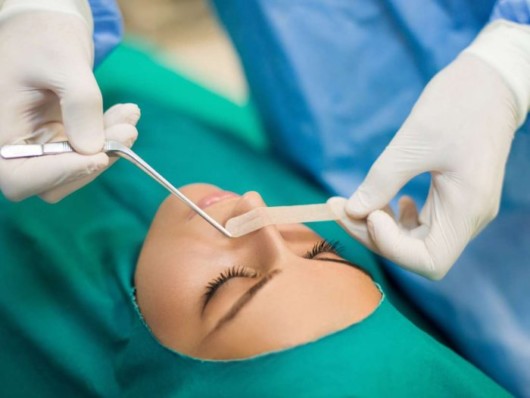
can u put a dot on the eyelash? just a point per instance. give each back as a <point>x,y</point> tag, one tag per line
<point>233,272</point>
<point>323,246</point>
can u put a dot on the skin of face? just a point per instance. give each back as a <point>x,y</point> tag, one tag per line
<point>302,300</point>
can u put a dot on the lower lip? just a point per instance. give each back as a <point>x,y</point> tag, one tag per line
<point>212,199</point>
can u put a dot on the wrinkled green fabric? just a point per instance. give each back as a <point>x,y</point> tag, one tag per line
<point>382,356</point>
<point>69,326</point>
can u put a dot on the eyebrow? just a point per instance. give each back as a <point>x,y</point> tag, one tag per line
<point>250,293</point>
<point>345,262</point>
<point>245,299</point>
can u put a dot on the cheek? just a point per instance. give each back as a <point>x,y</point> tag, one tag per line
<point>304,306</point>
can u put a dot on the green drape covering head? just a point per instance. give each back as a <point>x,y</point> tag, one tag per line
<point>292,318</point>
<point>384,355</point>
<point>70,326</point>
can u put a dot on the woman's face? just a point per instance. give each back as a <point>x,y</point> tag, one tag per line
<point>208,296</point>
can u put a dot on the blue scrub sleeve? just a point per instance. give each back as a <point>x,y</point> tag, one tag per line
<point>512,10</point>
<point>108,27</point>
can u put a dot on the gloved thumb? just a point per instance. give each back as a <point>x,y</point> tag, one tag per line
<point>415,250</point>
<point>384,180</point>
<point>21,178</point>
<point>82,112</point>
<point>356,228</point>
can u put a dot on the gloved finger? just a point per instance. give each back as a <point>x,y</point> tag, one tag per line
<point>388,210</point>
<point>431,257</point>
<point>357,229</point>
<point>408,213</point>
<point>121,114</point>
<point>82,111</point>
<point>391,171</point>
<point>124,133</point>
<point>119,121</point>
<point>21,178</point>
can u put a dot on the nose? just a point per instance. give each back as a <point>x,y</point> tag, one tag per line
<point>266,244</point>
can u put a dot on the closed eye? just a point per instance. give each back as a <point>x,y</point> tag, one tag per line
<point>331,247</point>
<point>225,276</point>
<point>323,246</point>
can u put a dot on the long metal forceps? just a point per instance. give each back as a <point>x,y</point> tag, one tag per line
<point>112,148</point>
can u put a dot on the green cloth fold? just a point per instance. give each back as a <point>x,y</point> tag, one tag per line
<point>68,326</point>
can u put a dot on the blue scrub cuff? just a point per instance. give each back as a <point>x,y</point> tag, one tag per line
<point>108,27</point>
<point>512,10</point>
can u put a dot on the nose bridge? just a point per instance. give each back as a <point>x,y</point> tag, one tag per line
<point>267,244</point>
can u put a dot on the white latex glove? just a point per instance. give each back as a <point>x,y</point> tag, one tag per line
<point>460,130</point>
<point>120,125</point>
<point>119,122</point>
<point>48,93</point>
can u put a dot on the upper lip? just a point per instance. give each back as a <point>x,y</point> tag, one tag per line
<point>211,199</point>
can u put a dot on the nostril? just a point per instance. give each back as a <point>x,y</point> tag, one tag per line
<point>248,222</point>
<point>246,210</point>
<point>248,202</point>
<point>254,199</point>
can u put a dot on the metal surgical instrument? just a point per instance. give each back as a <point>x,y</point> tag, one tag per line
<point>111,148</point>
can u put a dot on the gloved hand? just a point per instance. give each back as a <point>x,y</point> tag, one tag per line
<point>48,92</point>
<point>460,130</point>
<point>119,125</point>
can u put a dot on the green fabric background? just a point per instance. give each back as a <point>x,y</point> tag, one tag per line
<point>67,322</point>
